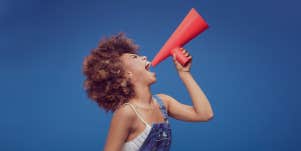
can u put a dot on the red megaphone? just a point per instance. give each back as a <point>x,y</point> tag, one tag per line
<point>192,25</point>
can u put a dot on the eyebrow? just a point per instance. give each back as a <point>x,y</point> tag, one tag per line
<point>132,54</point>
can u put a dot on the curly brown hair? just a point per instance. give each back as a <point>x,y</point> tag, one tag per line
<point>105,81</point>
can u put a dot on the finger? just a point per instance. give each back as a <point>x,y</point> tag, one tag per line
<point>189,62</point>
<point>184,50</point>
<point>176,62</point>
<point>174,56</point>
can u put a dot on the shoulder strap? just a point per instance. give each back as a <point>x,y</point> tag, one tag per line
<point>139,116</point>
<point>162,107</point>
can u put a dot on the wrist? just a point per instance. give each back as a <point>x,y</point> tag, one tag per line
<point>183,73</point>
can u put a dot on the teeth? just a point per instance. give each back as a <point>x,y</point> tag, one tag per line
<point>147,66</point>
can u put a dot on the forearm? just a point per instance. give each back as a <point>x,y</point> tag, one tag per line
<point>200,102</point>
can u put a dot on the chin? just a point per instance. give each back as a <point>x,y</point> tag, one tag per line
<point>153,79</point>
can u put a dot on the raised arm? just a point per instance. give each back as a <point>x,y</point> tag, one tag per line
<point>201,109</point>
<point>119,128</point>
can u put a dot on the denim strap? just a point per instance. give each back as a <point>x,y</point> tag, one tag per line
<point>162,107</point>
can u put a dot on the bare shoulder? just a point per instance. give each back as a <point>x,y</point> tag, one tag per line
<point>165,98</point>
<point>121,125</point>
<point>124,114</point>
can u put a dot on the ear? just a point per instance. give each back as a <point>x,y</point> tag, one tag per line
<point>129,74</point>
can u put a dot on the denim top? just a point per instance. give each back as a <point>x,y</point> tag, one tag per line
<point>159,138</point>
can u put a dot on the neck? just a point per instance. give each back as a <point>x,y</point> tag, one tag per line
<point>143,94</point>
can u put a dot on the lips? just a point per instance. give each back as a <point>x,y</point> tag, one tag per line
<point>147,68</point>
<point>147,65</point>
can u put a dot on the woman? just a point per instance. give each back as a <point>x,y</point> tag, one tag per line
<point>119,80</point>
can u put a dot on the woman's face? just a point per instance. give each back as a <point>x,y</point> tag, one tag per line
<point>137,68</point>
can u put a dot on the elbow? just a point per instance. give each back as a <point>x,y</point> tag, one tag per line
<point>210,116</point>
<point>205,117</point>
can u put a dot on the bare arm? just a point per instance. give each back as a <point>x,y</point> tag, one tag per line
<point>119,128</point>
<point>201,109</point>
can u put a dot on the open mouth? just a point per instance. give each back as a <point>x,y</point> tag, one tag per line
<point>147,66</point>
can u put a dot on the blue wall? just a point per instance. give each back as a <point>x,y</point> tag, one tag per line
<point>247,62</point>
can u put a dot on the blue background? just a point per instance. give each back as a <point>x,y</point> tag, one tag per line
<point>247,62</point>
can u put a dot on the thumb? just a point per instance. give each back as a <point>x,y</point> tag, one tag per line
<point>174,56</point>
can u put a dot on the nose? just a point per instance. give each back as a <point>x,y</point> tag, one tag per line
<point>144,58</point>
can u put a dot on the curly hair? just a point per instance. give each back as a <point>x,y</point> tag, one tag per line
<point>105,81</point>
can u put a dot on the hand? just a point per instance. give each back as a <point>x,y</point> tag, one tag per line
<point>179,66</point>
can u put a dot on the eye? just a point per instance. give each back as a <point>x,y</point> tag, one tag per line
<point>134,56</point>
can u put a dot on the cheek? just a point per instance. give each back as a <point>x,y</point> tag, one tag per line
<point>130,66</point>
<point>135,67</point>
